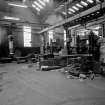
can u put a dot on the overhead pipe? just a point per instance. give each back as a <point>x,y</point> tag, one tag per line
<point>93,9</point>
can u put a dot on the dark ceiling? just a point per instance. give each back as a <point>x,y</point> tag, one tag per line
<point>4,7</point>
<point>60,7</point>
<point>55,4</point>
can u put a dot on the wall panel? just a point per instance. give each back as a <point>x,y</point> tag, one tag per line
<point>3,42</point>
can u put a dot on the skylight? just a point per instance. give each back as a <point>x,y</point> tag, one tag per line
<point>38,9</point>
<point>46,1</point>
<point>90,1</point>
<point>79,5</point>
<point>74,7</point>
<point>41,2</point>
<point>69,12</point>
<point>64,13</point>
<point>72,10</point>
<point>37,4</point>
<point>11,18</point>
<point>17,5</point>
<point>84,3</point>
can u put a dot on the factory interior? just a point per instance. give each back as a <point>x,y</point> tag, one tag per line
<point>52,52</point>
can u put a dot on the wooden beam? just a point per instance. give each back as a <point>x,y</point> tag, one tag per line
<point>3,21</point>
<point>93,9</point>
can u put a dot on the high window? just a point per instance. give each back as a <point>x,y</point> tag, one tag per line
<point>27,36</point>
<point>65,40</point>
<point>50,34</point>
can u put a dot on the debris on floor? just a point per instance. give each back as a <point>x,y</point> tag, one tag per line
<point>83,76</point>
<point>75,74</point>
<point>30,65</point>
<point>32,87</point>
<point>1,80</point>
<point>70,77</point>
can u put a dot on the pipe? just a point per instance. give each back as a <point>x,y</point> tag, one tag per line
<point>93,9</point>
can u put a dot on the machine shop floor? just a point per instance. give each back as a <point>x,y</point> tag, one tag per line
<point>23,85</point>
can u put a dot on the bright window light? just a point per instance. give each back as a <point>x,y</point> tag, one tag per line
<point>90,1</point>
<point>97,28</point>
<point>72,10</point>
<point>87,42</point>
<point>37,4</point>
<point>41,2</point>
<point>96,32</point>
<point>79,5</point>
<point>11,18</point>
<point>50,34</point>
<point>84,3</point>
<point>27,36</point>
<point>65,38</point>
<point>35,7</point>
<point>17,5</point>
<point>74,7</point>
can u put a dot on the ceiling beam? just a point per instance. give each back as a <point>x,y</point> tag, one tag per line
<point>93,9</point>
<point>7,22</point>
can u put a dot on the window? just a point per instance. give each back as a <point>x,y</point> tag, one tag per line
<point>64,37</point>
<point>27,36</point>
<point>50,34</point>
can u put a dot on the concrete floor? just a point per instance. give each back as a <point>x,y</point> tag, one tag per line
<point>21,85</point>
